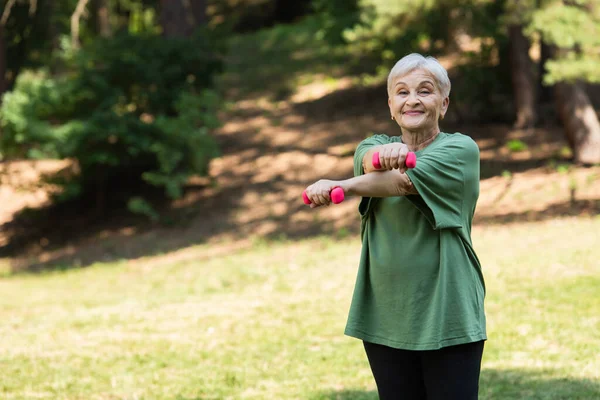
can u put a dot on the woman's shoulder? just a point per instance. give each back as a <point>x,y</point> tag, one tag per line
<point>461,141</point>
<point>376,139</point>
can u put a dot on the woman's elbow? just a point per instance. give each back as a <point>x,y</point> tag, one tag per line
<point>402,184</point>
<point>398,183</point>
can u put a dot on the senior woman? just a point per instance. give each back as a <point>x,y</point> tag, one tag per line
<point>419,293</point>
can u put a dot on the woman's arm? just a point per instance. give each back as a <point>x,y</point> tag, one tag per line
<point>384,184</point>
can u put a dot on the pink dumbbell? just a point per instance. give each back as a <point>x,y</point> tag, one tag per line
<point>411,160</point>
<point>337,196</point>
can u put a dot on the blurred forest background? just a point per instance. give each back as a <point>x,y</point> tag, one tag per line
<point>134,127</point>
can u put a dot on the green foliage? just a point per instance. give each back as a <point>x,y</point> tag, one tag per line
<point>571,68</point>
<point>336,16</point>
<point>516,145</point>
<point>563,168</point>
<point>138,16</point>
<point>566,26</point>
<point>131,110</point>
<point>139,205</point>
<point>25,112</point>
<point>574,30</point>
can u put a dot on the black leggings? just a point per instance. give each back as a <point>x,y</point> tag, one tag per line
<point>450,373</point>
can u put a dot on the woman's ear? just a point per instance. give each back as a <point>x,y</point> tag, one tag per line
<point>445,104</point>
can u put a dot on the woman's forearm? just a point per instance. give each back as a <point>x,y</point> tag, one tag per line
<point>380,184</point>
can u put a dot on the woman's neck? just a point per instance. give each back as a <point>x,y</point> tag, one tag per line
<point>418,140</point>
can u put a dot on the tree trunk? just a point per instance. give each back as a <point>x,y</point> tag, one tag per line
<point>198,11</point>
<point>544,92</point>
<point>175,18</point>
<point>523,79</point>
<point>580,121</point>
<point>3,83</point>
<point>49,8</point>
<point>3,66</point>
<point>75,21</point>
<point>102,16</point>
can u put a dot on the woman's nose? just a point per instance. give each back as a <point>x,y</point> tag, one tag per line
<point>412,98</point>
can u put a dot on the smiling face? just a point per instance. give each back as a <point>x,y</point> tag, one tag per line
<point>416,102</point>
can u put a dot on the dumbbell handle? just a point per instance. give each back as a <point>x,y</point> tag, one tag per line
<point>337,196</point>
<point>411,160</point>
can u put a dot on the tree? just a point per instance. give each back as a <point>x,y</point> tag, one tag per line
<point>579,118</point>
<point>3,69</point>
<point>6,12</point>
<point>179,18</point>
<point>102,17</point>
<point>522,67</point>
<point>75,21</point>
<point>3,84</point>
<point>572,29</point>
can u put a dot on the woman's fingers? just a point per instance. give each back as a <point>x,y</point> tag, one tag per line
<point>382,159</point>
<point>319,194</point>
<point>323,198</point>
<point>386,162</point>
<point>401,160</point>
<point>393,156</point>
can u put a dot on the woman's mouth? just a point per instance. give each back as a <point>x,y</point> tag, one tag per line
<point>413,113</point>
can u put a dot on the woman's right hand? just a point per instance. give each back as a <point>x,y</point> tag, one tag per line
<point>393,156</point>
<point>319,193</point>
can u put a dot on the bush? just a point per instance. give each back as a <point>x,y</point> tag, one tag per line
<point>131,111</point>
<point>336,16</point>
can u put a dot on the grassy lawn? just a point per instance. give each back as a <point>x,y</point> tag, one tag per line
<point>267,322</point>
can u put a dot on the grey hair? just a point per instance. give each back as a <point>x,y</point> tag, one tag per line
<point>415,61</point>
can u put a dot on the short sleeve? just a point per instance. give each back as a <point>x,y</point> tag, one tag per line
<point>362,149</point>
<point>439,177</point>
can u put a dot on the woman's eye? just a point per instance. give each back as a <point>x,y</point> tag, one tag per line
<point>424,92</point>
<point>403,92</point>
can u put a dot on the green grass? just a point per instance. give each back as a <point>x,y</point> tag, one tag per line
<point>267,323</point>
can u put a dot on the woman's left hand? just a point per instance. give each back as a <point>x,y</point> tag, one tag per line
<point>393,156</point>
<point>319,192</point>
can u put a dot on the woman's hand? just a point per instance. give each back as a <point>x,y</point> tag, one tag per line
<point>319,192</point>
<point>393,156</point>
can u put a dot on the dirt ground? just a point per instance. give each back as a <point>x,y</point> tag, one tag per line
<point>271,152</point>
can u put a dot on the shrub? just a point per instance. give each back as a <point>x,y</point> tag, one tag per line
<point>131,111</point>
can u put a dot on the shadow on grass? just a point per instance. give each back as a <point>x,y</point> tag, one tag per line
<point>511,384</point>
<point>345,395</point>
<point>573,208</point>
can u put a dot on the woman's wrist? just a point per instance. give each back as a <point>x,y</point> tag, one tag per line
<point>348,186</point>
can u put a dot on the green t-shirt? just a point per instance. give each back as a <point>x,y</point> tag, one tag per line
<point>419,284</point>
